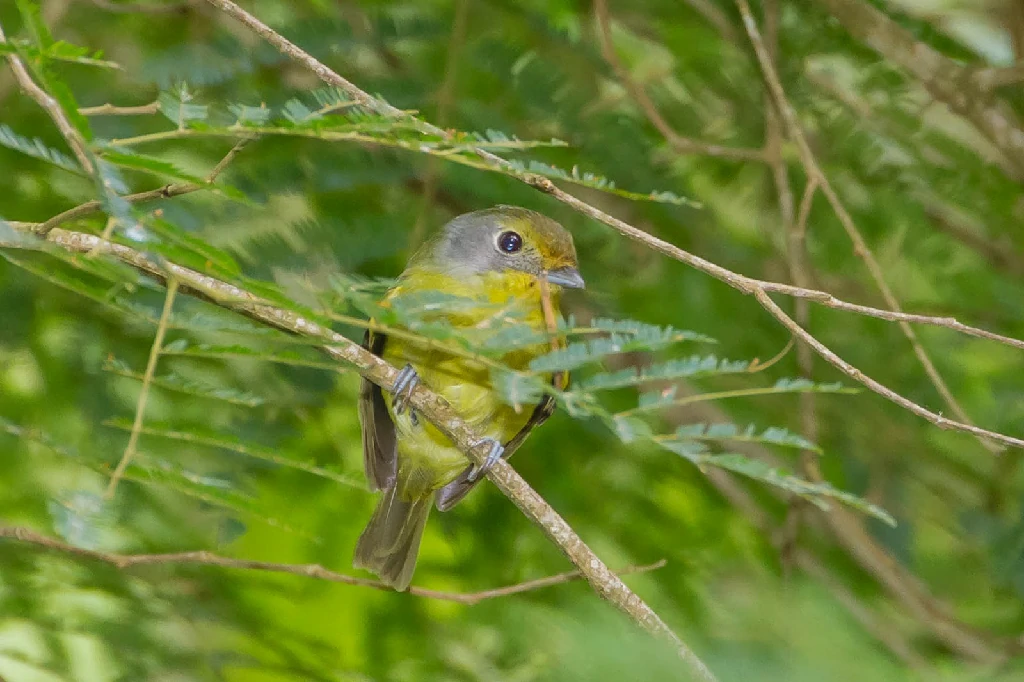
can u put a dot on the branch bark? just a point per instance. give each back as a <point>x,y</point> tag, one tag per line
<point>427,403</point>
<point>52,107</point>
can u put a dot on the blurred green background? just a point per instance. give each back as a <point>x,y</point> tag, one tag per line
<point>762,588</point>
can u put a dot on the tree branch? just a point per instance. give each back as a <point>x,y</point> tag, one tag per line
<point>147,381</point>
<point>316,571</point>
<point>52,107</point>
<point>427,403</point>
<point>114,110</point>
<point>861,248</point>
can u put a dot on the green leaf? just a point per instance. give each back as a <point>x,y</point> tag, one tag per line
<point>813,492</point>
<point>626,336</point>
<point>212,490</point>
<point>629,428</point>
<point>9,237</point>
<point>149,164</point>
<point>71,279</point>
<point>653,334</point>
<point>181,347</point>
<point>212,257</point>
<point>37,148</point>
<point>32,15</point>
<point>178,107</point>
<point>193,387</point>
<point>517,389</point>
<point>593,181</point>
<point>66,52</point>
<point>249,115</point>
<point>769,436</point>
<point>696,365</point>
<point>223,441</point>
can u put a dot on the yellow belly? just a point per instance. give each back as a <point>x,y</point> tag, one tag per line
<point>427,460</point>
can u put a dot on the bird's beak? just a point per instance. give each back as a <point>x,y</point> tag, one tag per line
<point>567,277</point>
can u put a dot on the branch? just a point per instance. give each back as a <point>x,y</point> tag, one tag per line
<point>744,284</point>
<point>683,145</point>
<point>316,571</point>
<point>113,110</point>
<point>944,79</point>
<point>861,248</point>
<point>52,107</point>
<point>124,8</point>
<point>147,381</point>
<point>990,78</point>
<point>430,405</point>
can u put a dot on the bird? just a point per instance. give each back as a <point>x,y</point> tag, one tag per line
<point>495,256</point>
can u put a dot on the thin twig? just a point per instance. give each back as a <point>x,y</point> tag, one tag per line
<point>113,110</point>
<point>758,366</point>
<point>166,192</point>
<point>147,381</point>
<point>428,404</point>
<point>315,571</point>
<point>861,247</point>
<point>52,107</point>
<point>228,158</point>
<point>681,144</point>
<point>124,8</point>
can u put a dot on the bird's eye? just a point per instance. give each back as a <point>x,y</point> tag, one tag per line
<point>510,242</point>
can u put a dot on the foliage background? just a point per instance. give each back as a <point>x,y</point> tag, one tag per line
<point>930,195</point>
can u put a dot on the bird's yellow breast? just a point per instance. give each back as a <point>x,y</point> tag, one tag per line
<point>427,459</point>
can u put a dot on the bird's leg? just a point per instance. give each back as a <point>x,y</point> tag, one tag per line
<point>497,450</point>
<point>405,384</point>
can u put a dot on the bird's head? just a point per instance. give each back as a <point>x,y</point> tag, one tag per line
<point>507,238</point>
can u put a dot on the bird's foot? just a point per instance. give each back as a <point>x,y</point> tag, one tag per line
<point>405,384</point>
<point>497,450</point>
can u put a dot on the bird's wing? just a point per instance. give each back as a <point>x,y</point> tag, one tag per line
<point>451,494</point>
<point>380,453</point>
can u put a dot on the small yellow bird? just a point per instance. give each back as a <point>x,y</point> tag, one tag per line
<point>495,256</point>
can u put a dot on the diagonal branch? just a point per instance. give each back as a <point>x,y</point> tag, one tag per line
<point>147,381</point>
<point>316,571</point>
<point>52,107</point>
<point>817,176</point>
<point>744,284</point>
<point>430,405</point>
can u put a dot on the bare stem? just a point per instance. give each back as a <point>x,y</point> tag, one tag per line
<point>315,571</point>
<point>147,381</point>
<point>52,107</point>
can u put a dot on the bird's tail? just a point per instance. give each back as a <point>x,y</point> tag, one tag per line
<point>391,540</point>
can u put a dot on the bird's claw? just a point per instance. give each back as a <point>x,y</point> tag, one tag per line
<point>497,450</point>
<point>405,384</point>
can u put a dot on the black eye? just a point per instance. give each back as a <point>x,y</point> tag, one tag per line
<point>510,242</point>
